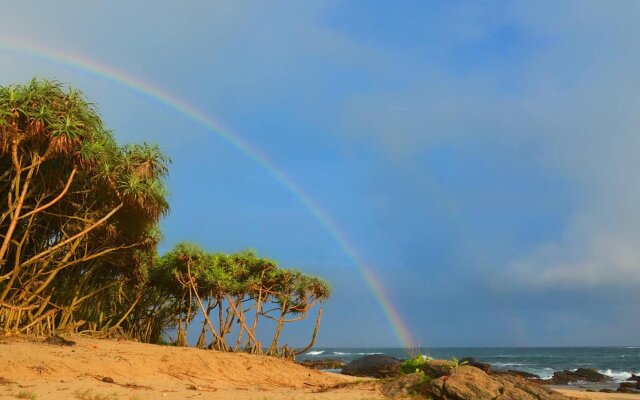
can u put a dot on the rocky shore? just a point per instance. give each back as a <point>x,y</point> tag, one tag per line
<point>463,379</point>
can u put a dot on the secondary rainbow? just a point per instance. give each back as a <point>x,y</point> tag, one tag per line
<point>158,94</point>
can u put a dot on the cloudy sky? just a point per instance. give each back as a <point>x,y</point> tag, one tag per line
<point>481,157</point>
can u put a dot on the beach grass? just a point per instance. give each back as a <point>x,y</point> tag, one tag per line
<point>25,394</point>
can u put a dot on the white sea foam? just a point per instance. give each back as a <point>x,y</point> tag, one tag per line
<point>367,354</point>
<point>339,353</point>
<point>315,353</point>
<point>546,373</point>
<point>507,364</point>
<point>618,376</point>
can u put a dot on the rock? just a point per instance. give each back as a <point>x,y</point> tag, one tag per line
<point>404,386</point>
<point>107,379</point>
<point>580,375</point>
<point>606,390</point>
<point>59,341</point>
<point>526,375</point>
<point>635,378</point>
<point>471,383</point>
<point>438,368</point>
<point>324,364</point>
<point>629,387</point>
<point>627,390</point>
<point>486,367</point>
<point>375,366</point>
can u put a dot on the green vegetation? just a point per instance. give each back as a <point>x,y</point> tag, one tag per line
<point>414,364</point>
<point>79,229</point>
<point>25,394</point>
<point>89,395</point>
<point>238,289</point>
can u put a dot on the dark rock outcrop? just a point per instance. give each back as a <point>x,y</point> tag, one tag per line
<point>471,383</point>
<point>324,364</point>
<point>526,375</point>
<point>629,387</point>
<point>486,367</point>
<point>374,366</point>
<point>580,375</point>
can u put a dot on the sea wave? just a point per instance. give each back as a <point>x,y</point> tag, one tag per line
<point>507,364</point>
<point>339,353</point>
<point>618,376</point>
<point>544,373</point>
<point>315,353</point>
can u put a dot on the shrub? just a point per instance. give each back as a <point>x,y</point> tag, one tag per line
<point>414,364</point>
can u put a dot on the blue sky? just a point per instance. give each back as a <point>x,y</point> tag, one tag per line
<point>481,156</point>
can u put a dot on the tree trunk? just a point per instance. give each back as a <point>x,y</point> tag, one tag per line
<point>315,335</point>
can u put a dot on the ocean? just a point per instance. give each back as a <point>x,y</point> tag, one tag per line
<point>617,362</point>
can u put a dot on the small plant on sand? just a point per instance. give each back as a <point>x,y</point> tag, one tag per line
<point>25,394</point>
<point>88,395</point>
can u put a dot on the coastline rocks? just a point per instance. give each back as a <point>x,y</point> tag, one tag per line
<point>629,387</point>
<point>580,375</point>
<point>374,366</point>
<point>324,364</point>
<point>486,367</point>
<point>471,383</point>
<point>437,368</point>
<point>523,374</point>
<point>404,386</point>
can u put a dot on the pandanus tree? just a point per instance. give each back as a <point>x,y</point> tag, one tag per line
<point>79,230</point>
<point>231,292</point>
<point>295,294</point>
<point>78,213</point>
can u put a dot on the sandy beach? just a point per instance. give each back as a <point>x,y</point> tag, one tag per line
<point>144,371</point>
<point>96,369</point>
<point>577,394</point>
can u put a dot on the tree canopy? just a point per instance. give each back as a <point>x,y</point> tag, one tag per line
<point>79,229</point>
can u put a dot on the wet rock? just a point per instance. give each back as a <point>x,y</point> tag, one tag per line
<point>629,387</point>
<point>580,375</point>
<point>324,364</point>
<point>627,390</point>
<point>526,375</point>
<point>471,383</point>
<point>375,366</point>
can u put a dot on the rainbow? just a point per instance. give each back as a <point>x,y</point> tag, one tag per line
<point>181,106</point>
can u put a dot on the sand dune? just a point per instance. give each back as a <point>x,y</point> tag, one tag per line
<point>143,371</point>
